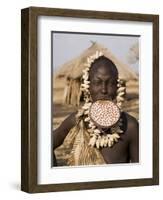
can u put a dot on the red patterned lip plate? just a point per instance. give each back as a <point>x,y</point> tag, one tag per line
<point>104,113</point>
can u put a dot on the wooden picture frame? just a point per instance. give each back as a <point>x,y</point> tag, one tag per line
<point>29,97</point>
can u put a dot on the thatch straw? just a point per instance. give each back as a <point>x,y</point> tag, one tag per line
<point>72,72</point>
<point>73,69</point>
<point>72,92</point>
<point>81,153</point>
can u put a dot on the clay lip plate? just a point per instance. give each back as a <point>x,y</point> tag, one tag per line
<point>104,113</point>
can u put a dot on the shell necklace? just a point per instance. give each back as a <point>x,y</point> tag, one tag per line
<point>101,114</point>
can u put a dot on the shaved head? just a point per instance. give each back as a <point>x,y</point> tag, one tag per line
<point>105,62</point>
<point>103,77</point>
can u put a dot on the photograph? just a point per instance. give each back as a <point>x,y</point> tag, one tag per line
<point>95,99</point>
<point>90,99</point>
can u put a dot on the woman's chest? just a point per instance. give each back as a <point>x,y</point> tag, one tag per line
<point>118,153</point>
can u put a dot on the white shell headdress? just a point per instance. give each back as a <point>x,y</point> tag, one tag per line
<point>97,139</point>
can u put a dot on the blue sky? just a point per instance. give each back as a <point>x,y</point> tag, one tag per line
<point>67,46</point>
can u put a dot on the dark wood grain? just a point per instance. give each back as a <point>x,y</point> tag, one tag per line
<point>29,101</point>
<point>156,99</point>
<point>24,100</point>
<point>91,14</point>
<point>29,98</point>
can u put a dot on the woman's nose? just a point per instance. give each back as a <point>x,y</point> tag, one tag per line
<point>104,88</point>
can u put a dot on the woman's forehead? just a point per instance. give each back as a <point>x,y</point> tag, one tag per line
<point>103,71</point>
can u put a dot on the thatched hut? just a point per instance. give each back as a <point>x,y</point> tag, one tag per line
<point>66,81</point>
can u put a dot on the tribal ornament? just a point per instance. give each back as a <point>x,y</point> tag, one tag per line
<point>104,113</point>
<point>99,138</point>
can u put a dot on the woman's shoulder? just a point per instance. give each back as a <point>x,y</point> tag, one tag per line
<point>131,120</point>
<point>132,125</point>
<point>70,120</point>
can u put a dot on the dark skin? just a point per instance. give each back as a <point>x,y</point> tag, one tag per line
<point>103,85</point>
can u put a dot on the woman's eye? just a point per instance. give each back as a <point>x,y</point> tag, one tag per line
<point>112,83</point>
<point>96,82</point>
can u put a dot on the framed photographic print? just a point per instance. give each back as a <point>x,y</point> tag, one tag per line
<point>90,99</point>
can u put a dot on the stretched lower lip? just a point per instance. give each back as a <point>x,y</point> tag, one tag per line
<point>104,97</point>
